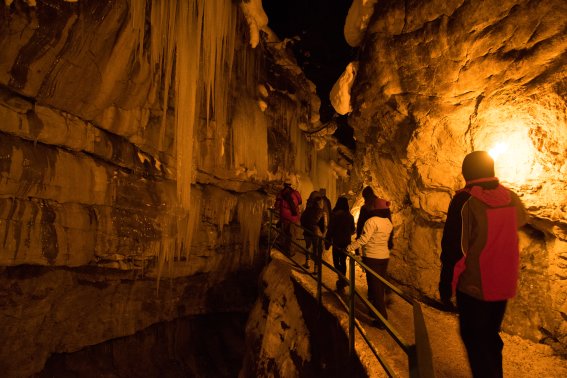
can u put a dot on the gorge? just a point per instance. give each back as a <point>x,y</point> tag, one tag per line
<point>142,142</point>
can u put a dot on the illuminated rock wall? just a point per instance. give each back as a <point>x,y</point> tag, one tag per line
<point>135,142</point>
<point>438,79</point>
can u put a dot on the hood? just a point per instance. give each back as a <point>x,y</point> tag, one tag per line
<point>499,196</point>
<point>380,204</point>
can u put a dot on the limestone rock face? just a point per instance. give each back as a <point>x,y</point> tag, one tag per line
<point>277,335</point>
<point>438,79</point>
<point>113,158</point>
<point>288,334</point>
<point>88,159</point>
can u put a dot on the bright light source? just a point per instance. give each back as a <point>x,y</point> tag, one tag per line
<point>498,150</point>
<point>514,159</point>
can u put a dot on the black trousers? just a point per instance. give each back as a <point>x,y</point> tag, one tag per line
<point>286,235</point>
<point>375,286</point>
<point>479,323</point>
<point>339,259</point>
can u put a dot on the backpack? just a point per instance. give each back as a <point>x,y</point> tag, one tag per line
<point>312,219</point>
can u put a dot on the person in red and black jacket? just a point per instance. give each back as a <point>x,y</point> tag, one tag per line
<point>288,202</point>
<point>480,260</point>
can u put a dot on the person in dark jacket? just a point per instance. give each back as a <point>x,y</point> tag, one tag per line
<point>480,260</point>
<point>314,221</point>
<point>327,207</point>
<point>341,228</point>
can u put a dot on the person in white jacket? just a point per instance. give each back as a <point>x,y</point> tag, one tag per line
<point>375,241</point>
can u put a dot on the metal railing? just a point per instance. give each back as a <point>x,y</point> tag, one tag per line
<point>419,353</point>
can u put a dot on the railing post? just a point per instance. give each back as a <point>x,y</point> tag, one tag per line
<point>412,362</point>
<point>318,256</point>
<point>306,264</point>
<point>269,237</point>
<point>424,358</point>
<point>351,297</point>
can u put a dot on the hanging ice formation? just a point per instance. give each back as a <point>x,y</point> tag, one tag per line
<point>312,163</point>
<point>198,36</point>
<point>193,50</point>
<point>250,139</point>
<point>250,211</point>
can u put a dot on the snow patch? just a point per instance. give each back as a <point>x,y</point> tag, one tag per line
<point>262,105</point>
<point>262,90</point>
<point>339,170</point>
<point>357,19</point>
<point>256,18</point>
<point>340,93</point>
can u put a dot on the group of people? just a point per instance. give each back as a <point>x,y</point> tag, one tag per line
<point>326,227</point>
<point>479,251</point>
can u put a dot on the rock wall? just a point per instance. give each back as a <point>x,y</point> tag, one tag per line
<point>289,335</point>
<point>438,79</point>
<point>196,346</point>
<point>99,170</point>
<point>48,311</point>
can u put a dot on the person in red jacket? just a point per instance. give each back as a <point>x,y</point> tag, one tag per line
<point>480,260</point>
<point>287,205</point>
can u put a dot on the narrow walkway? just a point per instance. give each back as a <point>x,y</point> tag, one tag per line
<point>522,358</point>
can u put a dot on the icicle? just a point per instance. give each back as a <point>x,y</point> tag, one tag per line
<point>138,20</point>
<point>250,211</point>
<point>192,218</point>
<point>199,37</point>
<point>250,139</point>
<point>219,207</point>
<point>189,24</point>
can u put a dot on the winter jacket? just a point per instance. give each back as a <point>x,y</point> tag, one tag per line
<point>479,248</point>
<point>369,209</point>
<point>314,220</point>
<point>363,216</point>
<point>341,228</point>
<point>376,207</point>
<point>287,203</point>
<point>374,238</point>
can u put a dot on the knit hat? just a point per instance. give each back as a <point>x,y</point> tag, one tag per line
<point>478,164</point>
<point>368,193</point>
<point>380,204</point>
<point>315,195</point>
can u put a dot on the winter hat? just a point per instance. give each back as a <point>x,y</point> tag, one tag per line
<point>478,164</point>
<point>368,193</point>
<point>315,195</point>
<point>380,204</point>
<point>289,179</point>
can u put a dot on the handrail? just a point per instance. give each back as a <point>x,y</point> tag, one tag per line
<point>419,354</point>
